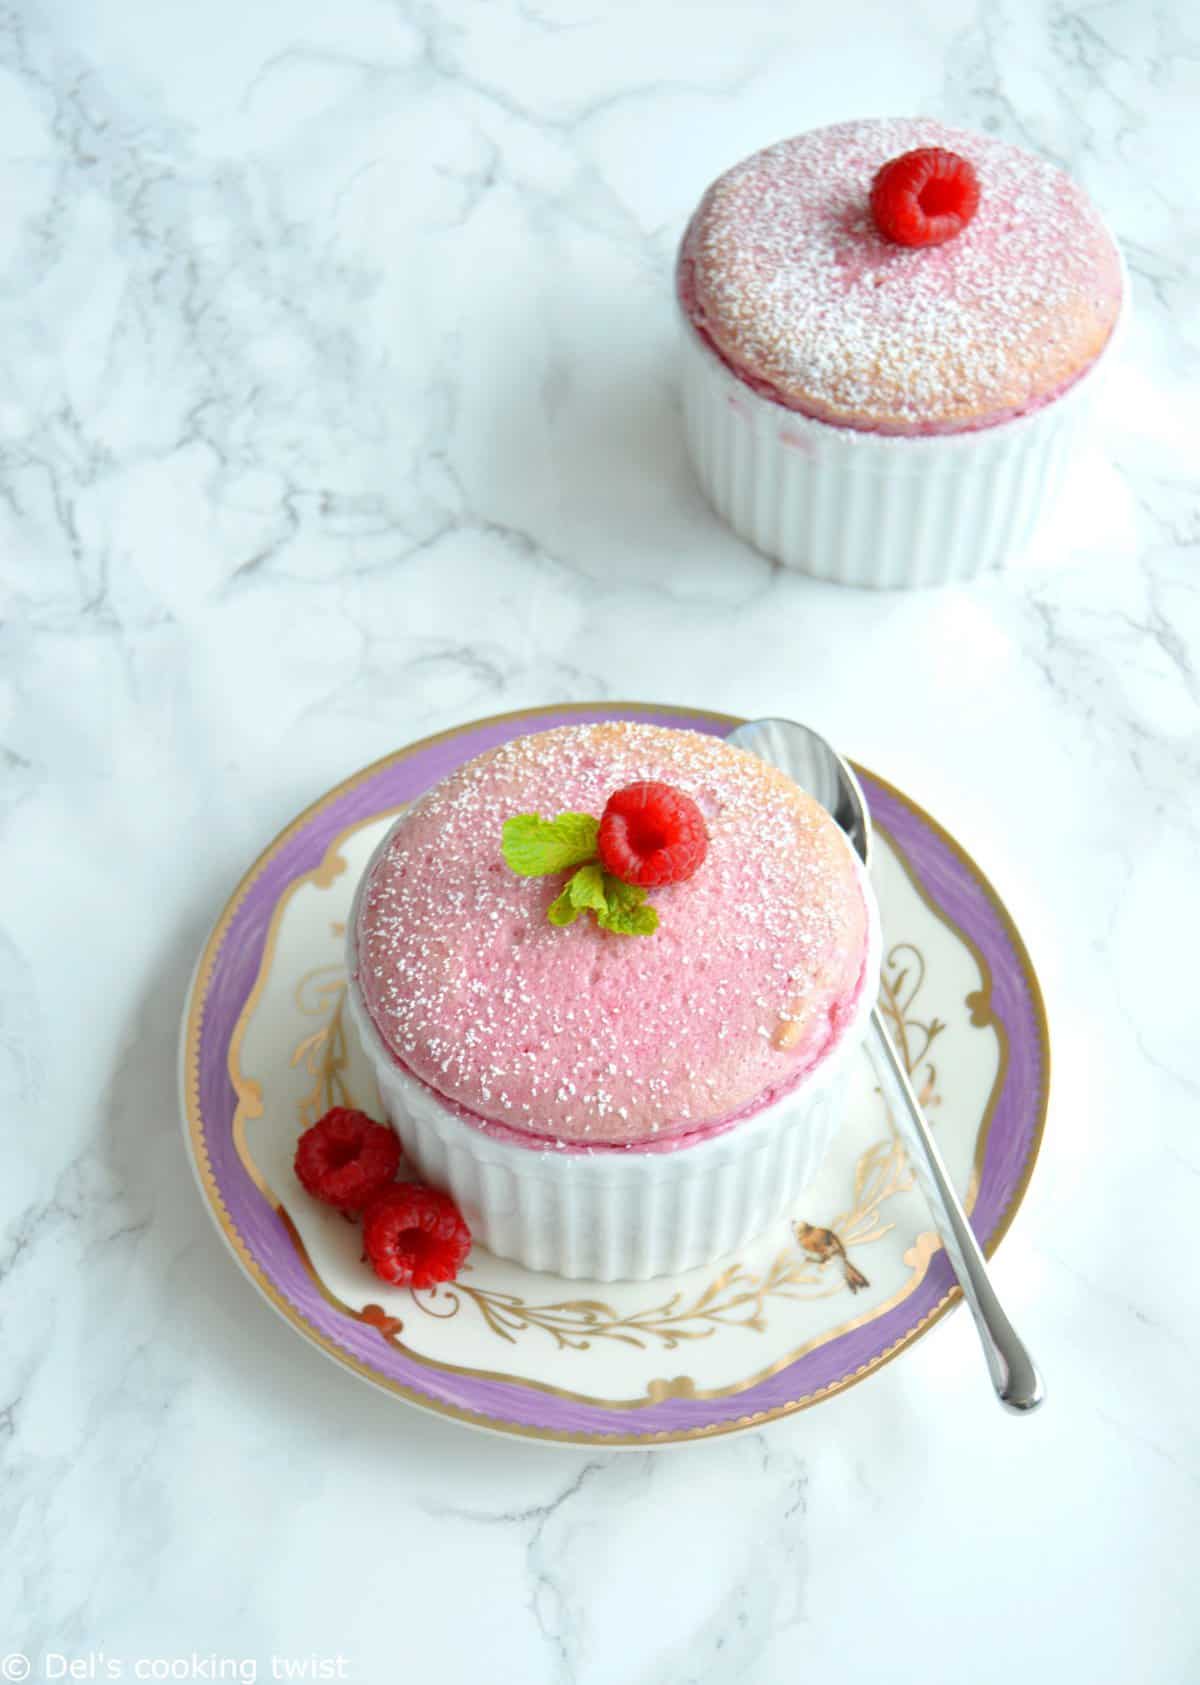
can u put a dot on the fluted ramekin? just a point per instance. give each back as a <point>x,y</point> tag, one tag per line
<point>620,1214</point>
<point>874,509</point>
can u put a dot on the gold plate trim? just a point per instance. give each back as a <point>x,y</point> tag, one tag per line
<point>326,870</point>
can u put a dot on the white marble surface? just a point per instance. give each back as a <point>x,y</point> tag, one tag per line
<point>338,406</point>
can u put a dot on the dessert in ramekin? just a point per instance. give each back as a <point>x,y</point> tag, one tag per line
<point>603,1103</point>
<point>886,413</point>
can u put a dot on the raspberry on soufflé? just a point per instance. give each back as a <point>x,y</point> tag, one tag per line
<point>651,833</point>
<point>925,197</point>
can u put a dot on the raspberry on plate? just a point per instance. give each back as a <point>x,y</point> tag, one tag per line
<point>414,1236</point>
<point>650,834</point>
<point>924,197</point>
<point>346,1157</point>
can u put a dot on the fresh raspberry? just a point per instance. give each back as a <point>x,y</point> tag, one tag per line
<point>414,1236</point>
<point>924,198</point>
<point>650,834</point>
<point>345,1157</point>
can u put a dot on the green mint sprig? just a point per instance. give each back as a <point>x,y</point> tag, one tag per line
<point>535,847</point>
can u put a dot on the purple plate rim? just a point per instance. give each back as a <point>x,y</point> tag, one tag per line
<point>263,1244</point>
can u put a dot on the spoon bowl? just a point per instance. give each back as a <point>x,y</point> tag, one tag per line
<point>815,765</point>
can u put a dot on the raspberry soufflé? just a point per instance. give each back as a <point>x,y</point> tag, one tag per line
<point>610,978</point>
<point>887,328</point>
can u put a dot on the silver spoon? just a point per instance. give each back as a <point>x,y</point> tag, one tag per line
<point>816,767</point>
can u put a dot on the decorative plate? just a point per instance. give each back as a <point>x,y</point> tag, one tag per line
<point>812,1307</point>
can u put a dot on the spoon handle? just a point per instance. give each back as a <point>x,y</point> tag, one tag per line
<point>1014,1374</point>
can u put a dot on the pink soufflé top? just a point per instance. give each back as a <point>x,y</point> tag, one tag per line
<point>578,1035</point>
<point>784,274</point>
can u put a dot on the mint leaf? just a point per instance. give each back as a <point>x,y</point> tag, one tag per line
<point>625,911</point>
<point>629,921</point>
<point>586,888</point>
<point>562,910</point>
<point>535,847</point>
<point>622,895</point>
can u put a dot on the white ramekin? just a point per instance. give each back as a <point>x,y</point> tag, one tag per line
<point>866,508</point>
<point>627,1215</point>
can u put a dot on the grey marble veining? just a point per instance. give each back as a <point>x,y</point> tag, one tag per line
<point>337,405</point>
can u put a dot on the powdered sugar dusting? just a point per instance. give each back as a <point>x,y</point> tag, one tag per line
<point>583,1035</point>
<point>785,274</point>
